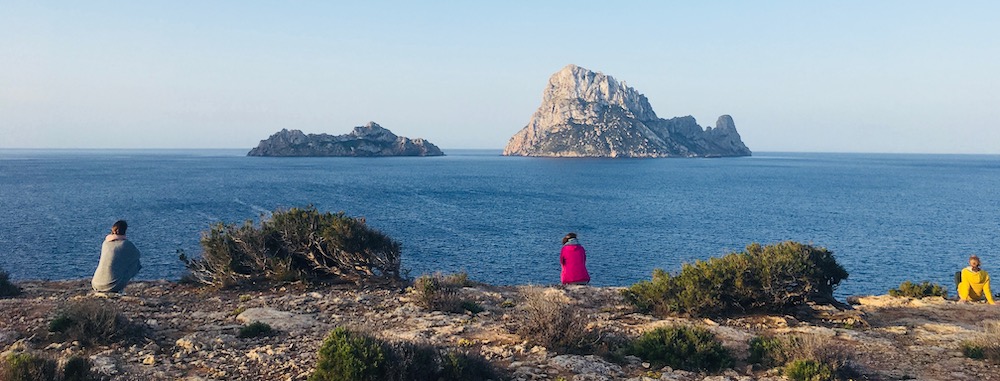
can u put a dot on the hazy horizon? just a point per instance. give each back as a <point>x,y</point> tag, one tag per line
<point>850,77</point>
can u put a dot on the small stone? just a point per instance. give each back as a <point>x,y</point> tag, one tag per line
<point>149,360</point>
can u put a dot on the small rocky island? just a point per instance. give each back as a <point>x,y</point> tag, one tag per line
<point>368,140</point>
<point>588,114</point>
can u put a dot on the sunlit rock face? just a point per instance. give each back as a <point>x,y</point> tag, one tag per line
<point>588,114</point>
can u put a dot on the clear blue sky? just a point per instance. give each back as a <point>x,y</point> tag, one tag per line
<point>846,76</point>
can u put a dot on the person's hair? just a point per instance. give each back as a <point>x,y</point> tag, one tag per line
<point>568,237</point>
<point>119,227</point>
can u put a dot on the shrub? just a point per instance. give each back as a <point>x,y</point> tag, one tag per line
<point>548,320</point>
<point>922,290</point>
<point>986,346</point>
<point>90,321</point>
<point>255,329</point>
<point>440,293</point>
<point>461,366</point>
<point>683,347</point>
<point>346,355</point>
<point>30,367</point>
<point>295,244</point>
<point>6,287</point>
<point>770,351</point>
<point>808,370</point>
<point>27,367</point>
<point>769,278</point>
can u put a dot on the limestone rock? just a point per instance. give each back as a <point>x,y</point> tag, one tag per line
<point>588,114</point>
<point>588,367</point>
<point>368,140</point>
<point>281,320</point>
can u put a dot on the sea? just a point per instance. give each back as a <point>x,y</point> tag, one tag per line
<point>886,217</point>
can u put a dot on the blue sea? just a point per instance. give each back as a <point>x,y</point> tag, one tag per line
<point>887,218</point>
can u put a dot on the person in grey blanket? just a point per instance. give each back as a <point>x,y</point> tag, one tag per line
<point>119,261</point>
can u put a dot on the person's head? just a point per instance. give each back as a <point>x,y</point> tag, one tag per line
<point>569,237</point>
<point>974,261</point>
<point>119,227</point>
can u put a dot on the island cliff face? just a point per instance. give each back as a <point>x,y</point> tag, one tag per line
<point>588,114</point>
<point>368,140</point>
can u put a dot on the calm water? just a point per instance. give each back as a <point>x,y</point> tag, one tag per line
<point>887,218</point>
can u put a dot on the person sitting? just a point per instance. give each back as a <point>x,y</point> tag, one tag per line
<point>119,261</point>
<point>975,284</point>
<point>573,259</point>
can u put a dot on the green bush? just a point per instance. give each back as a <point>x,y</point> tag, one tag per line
<point>682,347</point>
<point>255,329</point>
<point>346,355</point>
<point>295,244</point>
<point>91,321</point>
<point>769,279</point>
<point>6,287</point>
<point>769,351</point>
<point>27,367</point>
<point>922,290</point>
<point>808,370</point>
<point>441,293</point>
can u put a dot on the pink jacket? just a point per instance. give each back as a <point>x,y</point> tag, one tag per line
<point>573,259</point>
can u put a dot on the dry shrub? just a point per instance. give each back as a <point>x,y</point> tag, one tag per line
<point>549,320</point>
<point>804,357</point>
<point>93,322</point>
<point>295,244</point>
<point>441,293</point>
<point>986,346</point>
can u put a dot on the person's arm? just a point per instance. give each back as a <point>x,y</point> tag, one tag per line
<point>987,291</point>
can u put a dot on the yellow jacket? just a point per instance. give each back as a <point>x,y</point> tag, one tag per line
<point>975,285</point>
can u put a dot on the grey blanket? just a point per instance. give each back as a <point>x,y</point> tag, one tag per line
<point>119,263</point>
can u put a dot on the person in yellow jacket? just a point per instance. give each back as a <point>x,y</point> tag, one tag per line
<point>975,283</point>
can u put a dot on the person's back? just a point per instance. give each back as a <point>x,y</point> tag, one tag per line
<point>119,261</point>
<point>573,258</point>
<point>975,283</point>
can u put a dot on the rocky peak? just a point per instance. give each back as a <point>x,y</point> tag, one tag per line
<point>574,83</point>
<point>373,131</point>
<point>586,113</point>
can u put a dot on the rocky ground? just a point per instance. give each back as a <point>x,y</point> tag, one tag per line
<point>191,333</point>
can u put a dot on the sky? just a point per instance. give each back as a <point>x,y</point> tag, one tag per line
<point>816,76</point>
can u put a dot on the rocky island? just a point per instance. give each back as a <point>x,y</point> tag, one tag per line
<point>588,114</point>
<point>368,140</point>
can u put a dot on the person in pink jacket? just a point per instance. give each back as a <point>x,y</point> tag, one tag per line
<point>573,259</point>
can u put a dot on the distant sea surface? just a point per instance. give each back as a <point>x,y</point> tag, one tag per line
<point>887,218</point>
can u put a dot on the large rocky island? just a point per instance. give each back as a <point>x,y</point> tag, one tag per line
<point>368,140</point>
<point>588,114</point>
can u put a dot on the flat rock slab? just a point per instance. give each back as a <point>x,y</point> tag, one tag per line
<point>281,320</point>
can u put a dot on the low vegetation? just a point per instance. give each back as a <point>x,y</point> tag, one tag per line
<point>768,279</point>
<point>347,355</point>
<point>92,322</point>
<point>295,244</point>
<point>919,290</point>
<point>682,347</point>
<point>986,346</point>
<point>441,293</point>
<point>6,287</point>
<point>255,329</point>
<point>808,358</point>
<point>24,366</point>
<point>548,320</point>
